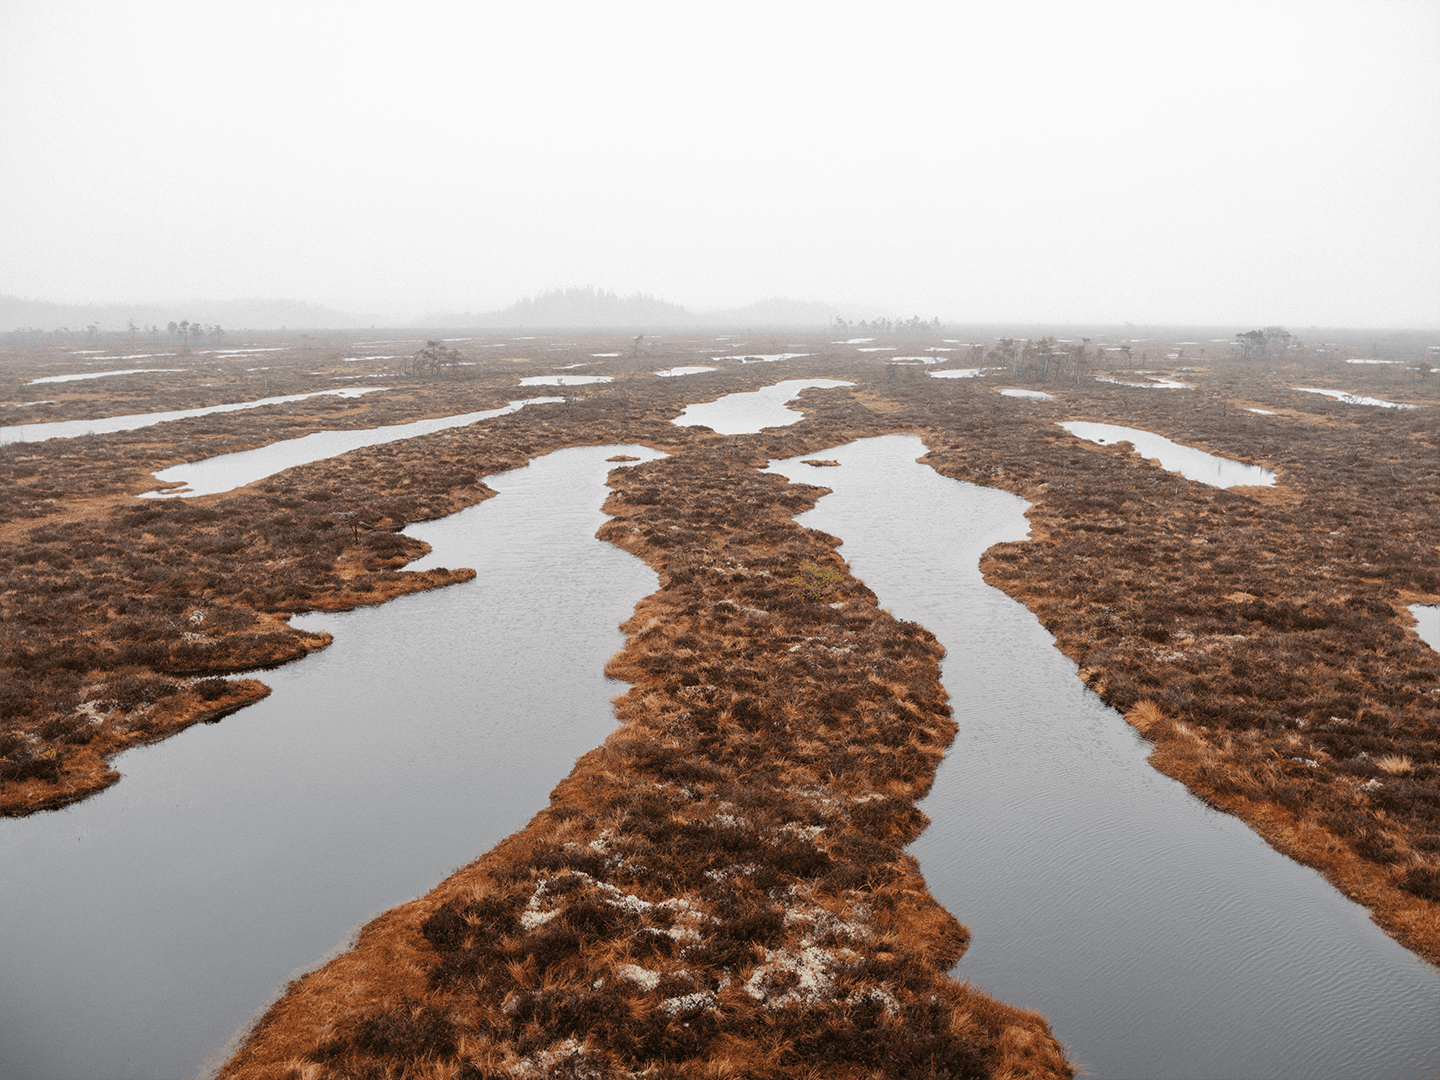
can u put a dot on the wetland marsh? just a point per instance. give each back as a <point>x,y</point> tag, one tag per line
<point>779,720</point>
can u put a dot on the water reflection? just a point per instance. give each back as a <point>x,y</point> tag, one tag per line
<point>229,471</point>
<point>1160,938</point>
<point>738,414</point>
<point>1176,457</point>
<point>141,927</point>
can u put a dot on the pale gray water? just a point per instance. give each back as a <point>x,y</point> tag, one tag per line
<point>564,380</point>
<point>1354,399</point>
<point>689,369</point>
<point>1161,939</point>
<point>69,429</point>
<point>1156,382</point>
<point>100,375</point>
<point>1427,624</point>
<point>140,928</point>
<point>229,471</point>
<point>1176,457</point>
<point>1038,395</point>
<point>735,414</point>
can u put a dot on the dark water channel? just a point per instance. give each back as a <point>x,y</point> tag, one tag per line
<point>1160,938</point>
<point>140,928</point>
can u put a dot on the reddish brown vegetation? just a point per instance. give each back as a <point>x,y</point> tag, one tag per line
<point>720,889</point>
<point>1257,636</point>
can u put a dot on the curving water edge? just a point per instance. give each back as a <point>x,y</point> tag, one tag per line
<point>1176,457</point>
<point>741,413</point>
<point>141,926</point>
<point>1160,938</point>
<point>225,472</point>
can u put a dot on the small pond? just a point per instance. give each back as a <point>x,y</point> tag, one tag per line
<point>1038,395</point>
<point>69,429</point>
<point>1155,382</point>
<point>1176,457</point>
<point>1427,624</point>
<point>1353,399</point>
<point>102,374</point>
<point>960,373</point>
<point>1160,938</point>
<point>738,414</point>
<point>229,471</point>
<point>670,373</point>
<point>143,926</point>
<point>757,358</point>
<point>565,380</point>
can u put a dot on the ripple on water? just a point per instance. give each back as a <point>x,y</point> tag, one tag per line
<point>1160,938</point>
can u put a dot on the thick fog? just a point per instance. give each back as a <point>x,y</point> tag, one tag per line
<point>1181,163</point>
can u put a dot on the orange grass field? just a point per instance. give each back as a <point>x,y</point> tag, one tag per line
<point>721,888</point>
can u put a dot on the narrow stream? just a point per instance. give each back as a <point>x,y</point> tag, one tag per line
<point>226,472</point>
<point>142,927</point>
<point>1160,938</point>
<point>69,429</point>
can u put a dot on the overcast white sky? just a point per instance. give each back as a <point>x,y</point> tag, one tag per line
<point>1150,162</point>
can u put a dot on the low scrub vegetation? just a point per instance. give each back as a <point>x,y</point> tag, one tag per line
<point>721,889</point>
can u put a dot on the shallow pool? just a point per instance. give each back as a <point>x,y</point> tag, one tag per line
<point>142,927</point>
<point>1160,938</point>
<point>1176,457</point>
<point>69,429</point>
<point>229,471</point>
<point>738,414</point>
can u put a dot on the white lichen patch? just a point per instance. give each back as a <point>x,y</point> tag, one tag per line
<point>809,980</point>
<point>641,977</point>
<point>689,1003</point>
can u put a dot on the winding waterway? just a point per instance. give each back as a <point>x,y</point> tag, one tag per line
<point>225,472</point>
<point>141,927</point>
<point>1160,938</point>
<point>69,429</point>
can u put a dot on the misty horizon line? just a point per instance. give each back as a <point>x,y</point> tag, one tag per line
<point>561,308</point>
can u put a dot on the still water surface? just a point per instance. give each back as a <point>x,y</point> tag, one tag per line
<point>140,928</point>
<point>229,471</point>
<point>1160,938</point>
<point>1427,623</point>
<point>736,414</point>
<point>1189,462</point>
<point>69,429</point>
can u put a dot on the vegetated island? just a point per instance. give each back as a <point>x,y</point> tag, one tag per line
<point>1259,637</point>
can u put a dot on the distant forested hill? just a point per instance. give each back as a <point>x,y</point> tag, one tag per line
<point>591,307</point>
<point>584,307</point>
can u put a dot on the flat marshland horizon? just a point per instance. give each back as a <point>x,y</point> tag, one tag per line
<point>721,888</point>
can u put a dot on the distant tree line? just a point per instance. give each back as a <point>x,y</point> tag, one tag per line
<point>188,331</point>
<point>888,327</point>
<point>1271,343</point>
<point>1043,358</point>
